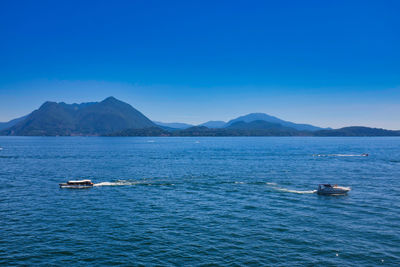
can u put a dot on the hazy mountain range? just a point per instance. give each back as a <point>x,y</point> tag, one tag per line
<point>246,118</point>
<point>112,117</point>
<point>173,125</point>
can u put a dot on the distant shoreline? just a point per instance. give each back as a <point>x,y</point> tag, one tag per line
<point>112,117</point>
<point>203,136</point>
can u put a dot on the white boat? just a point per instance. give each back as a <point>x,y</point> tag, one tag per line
<point>77,184</point>
<point>328,189</point>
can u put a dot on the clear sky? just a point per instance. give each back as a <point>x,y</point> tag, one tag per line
<point>328,63</point>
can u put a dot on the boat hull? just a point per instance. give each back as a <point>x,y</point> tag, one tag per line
<point>333,191</point>
<point>75,186</point>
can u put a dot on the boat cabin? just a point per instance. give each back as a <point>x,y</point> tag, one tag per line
<point>80,182</point>
<point>327,186</point>
<point>77,184</point>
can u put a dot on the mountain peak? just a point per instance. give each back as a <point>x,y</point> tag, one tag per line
<point>268,118</point>
<point>110,99</point>
<point>48,104</point>
<point>110,115</point>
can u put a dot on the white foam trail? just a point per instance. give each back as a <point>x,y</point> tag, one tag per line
<point>150,141</point>
<point>340,155</point>
<point>239,182</point>
<point>347,155</point>
<point>117,183</point>
<point>108,184</point>
<point>275,187</point>
<point>131,182</point>
<point>296,191</point>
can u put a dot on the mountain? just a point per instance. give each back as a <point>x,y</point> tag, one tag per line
<point>264,117</point>
<point>173,125</point>
<point>5,125</point>
<point>357,131</point>
<point>214,124</point>
<point>112,117</point>
<point>263,128</point>
<point>256,128</point>
<point>95,118</point>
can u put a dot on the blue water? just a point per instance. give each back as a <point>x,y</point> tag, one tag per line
<point>195,201</point>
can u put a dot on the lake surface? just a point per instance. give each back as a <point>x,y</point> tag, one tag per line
<point>196,201</point>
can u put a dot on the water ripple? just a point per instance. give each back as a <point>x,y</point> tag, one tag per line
<point>223,201</point>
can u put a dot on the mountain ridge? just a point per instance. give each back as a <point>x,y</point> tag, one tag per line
<point>265,117</point>
<point>112,117</point>
<point>93,118</point>
<point>357,131</point>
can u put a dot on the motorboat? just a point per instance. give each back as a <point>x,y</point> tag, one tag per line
<point>328,189</point>
<point>77,184</point>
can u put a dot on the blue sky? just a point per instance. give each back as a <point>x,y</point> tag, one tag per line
<point>328,63</point>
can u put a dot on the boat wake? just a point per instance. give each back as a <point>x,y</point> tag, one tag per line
<point>340,155</point>
<point>275,187</point>
<point>130,183</point>
<point>281,189</point>
<point>111,184</point>
<point>296,191</point>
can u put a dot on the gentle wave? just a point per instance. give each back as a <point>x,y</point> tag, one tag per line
<point>9,157</point>
<point>267,218</point>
